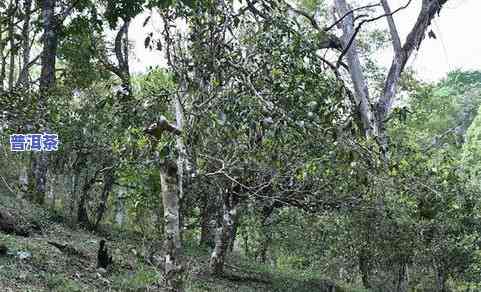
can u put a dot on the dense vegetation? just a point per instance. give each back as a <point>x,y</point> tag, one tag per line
<point>272,152</point>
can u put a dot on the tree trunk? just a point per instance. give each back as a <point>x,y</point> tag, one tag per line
<point>47,82</point>
<point>234,234</point>
<point>11,31</point>
<point>23,178</point>
<point>82,214</point>
<point>73,196</point>
<point>206,228</point>
<point>266,223</point>
<point>355,70</point>
<point>402,284</point>
<point>3,60</point>
<point>52,194</point>
<point>49,52</point>
<point>223,234</point>
<point>40,174</point>
<point>23,78</point>
<point>365,269</point>
<point>172,244</point>
<point>181,150</point>
<point>106,189</point>
<point>440,280</point>
<point>119,207</point>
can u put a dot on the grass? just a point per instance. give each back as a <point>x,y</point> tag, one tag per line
<point>48,269</point>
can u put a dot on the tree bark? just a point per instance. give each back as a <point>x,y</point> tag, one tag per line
<point>3,61</point>
<point>119,207</point>
<point>11,36</point>
<point>172,244</point>
<point>82,214</point>
<point>440,280</point>
<point>266,232</point>
<point>223,234</point>
<point>73,196</point>
<point>47,82</point>
<point>365,269</point>
<point>40,174</point>
<point>206,226</point>
<point>23,78</point>
<point>402,284</point>
<point>50,43</point>
<point>374,117</point>
<point>170,201</point>
<point>109,178</point>
<point>355,70</point>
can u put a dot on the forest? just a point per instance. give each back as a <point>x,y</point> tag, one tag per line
<point>244,145</point>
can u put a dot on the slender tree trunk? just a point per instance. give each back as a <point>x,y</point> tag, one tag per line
<point>73,196</point>
<point>402,284</point>
<point>39,164</point>
<point>266,232</point>
<point>355,70</point>
<point>246,244</point>
<point>51,191</point>
<point>264,247</point>
<point>234,233</point>
<point>23,78</point>
<point>206,228</point>
<point>365,269</point>
<point>82,214</point>
<point>11,37</point>
<point>47,82</point>
<point>440,280</point>
<point>180,145</point>
<point>3,60</point>
<point>106,189</point>
<point>119,207</point>
<point>23,178</point>
<point>50,43</point>
<point>223,234</point>
<point>172,244</point>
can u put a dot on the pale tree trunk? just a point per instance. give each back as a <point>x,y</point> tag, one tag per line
<point>73,196</point>
<point>23,78</point>
<point>170,201</point>
<point>23,178</point>
<point>224,234</point>
<point>40,177</point>
<point>3,60</point>
<point>119,207</point>
<point>172,244</point>
<point>181,149</point>
<point>11,36</point>
<point>375,117</point>
<point>355,70</point>
<point>179,117</point>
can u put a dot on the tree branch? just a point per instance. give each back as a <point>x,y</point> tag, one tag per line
<point>428,10</point>
<point>396,42</point>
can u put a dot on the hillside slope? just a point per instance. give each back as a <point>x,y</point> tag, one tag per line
<point>36,263</point>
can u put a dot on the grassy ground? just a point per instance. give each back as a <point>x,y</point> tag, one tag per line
<point>33,264</point>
